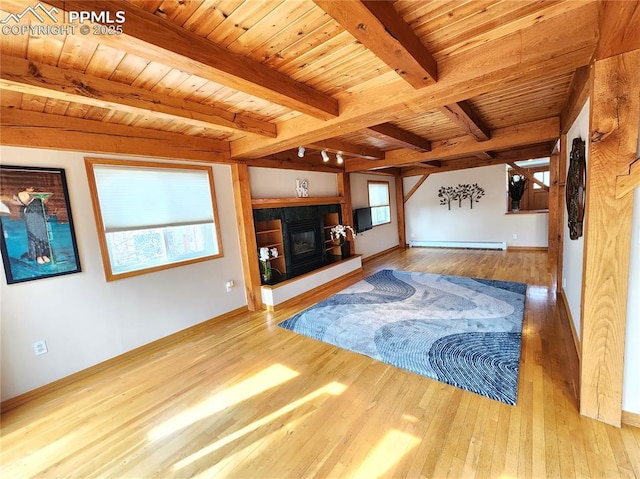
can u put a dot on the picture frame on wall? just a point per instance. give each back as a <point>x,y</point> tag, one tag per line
<point>37,238</point>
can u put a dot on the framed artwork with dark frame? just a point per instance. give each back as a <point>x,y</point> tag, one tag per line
<point>37,239</point>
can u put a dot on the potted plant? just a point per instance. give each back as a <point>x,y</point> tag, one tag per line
<point>266,255</point>
<point>517,187</point>
<point>340,232</point>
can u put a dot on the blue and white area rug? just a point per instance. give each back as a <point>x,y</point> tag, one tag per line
<point>462,331</point>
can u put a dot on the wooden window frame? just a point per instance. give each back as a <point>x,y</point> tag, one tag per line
<point>104,250</point>
<point>388,205</point>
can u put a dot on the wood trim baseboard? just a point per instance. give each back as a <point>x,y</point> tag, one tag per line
<point>527,248</point>
<point>630,419</point>
<point>146,349</point>
<point>381,253</point>
<point>563,306</point>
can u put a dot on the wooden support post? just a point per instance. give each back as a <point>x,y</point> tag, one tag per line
<point>560,204</point>
<point>246,230</point>
<point>402,240</point>
<point>554,185</point>
<point>344,191</point>
<point>615,113</point>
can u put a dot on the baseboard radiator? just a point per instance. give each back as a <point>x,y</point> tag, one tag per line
<point>459,244</point>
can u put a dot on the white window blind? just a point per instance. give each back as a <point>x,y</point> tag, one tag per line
<point>153,216</point>
<point>378,194</point>
<point>136,198</point>
<point>379,202</point>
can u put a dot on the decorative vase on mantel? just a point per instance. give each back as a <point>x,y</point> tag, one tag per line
<point>345,248</point>
<point>515,205</point>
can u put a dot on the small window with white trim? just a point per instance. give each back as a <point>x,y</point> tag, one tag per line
<point>379,202</point>
<point>153,216</point>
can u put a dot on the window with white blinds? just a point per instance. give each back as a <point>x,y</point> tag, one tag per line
<point>153,216</point>
<point>379,202</point>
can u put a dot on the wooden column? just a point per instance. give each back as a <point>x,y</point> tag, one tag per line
<point>561,207</point>
<point>554,186</point>
<point>246,230</point>
<point>615,114</point>
<point>344,191</point>
<point>402,240</point>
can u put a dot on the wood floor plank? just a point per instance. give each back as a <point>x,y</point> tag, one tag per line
<point>245,398</point>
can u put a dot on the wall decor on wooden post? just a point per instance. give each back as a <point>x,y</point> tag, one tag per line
<point>36,229</point>
<point>575,190</point>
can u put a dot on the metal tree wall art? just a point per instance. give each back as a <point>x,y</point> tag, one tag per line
<point>447,194</point>
<point>473,193</point>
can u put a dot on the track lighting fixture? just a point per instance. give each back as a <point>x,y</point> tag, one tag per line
<point>300,151</point>
<point>339,158</point>
<point>325,156</point>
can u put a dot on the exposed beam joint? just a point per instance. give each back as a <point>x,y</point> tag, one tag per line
<point>379,27</point>
<point>527,174</point>
<point>463,115</point>
<point>503,138</point>
<point>569,42</point>
<point>578,94</point>
<point>34,78</point>
<point>400,137</point>
<point>502,157</point>
<point>484,155</point>
<point>154,38</point>
<point>422,179</point>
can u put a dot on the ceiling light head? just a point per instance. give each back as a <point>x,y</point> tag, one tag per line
<point>339,158</point>
<point>325,156</point>
<point>300,151</point>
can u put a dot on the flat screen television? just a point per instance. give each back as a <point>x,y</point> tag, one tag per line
<point>362,219</point>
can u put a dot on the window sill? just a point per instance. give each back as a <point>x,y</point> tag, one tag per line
<point>525,212</point>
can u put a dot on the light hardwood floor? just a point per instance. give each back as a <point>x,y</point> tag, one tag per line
<point>245,398</point>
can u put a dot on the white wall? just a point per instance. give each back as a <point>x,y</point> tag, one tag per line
<point>573,250</point>
<point>631,383</point>
<point>86,320</point>
<point>427,220</point>
<point>275,183</point>
<point>381,237</point>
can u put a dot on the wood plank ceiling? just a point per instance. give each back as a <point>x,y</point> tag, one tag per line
<point>415,85</point>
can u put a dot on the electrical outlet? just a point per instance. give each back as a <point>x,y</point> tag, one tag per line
<point>40,348</point>
<point>514,236</point>
<point>230,284</point>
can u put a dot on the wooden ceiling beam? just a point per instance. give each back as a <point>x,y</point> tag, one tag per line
<point>484,155</point>
<point>379,27</point>
<point>578,94</point>
<point>513,136</point>
<point>570,39</point>
<point>154,38</point>
<point>400,137</point>
<point>501,157</point>
<point>24,76</point>
<point>333,145</point>
<point>467,118</point>
<point>43,130</point>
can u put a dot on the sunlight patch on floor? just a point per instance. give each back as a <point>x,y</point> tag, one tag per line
<point>333,388</point>
<point>386,453</point>
<point>247,454</point>
<point>256,384</point>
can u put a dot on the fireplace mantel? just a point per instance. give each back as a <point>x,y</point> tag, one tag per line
<point>284,202</point>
